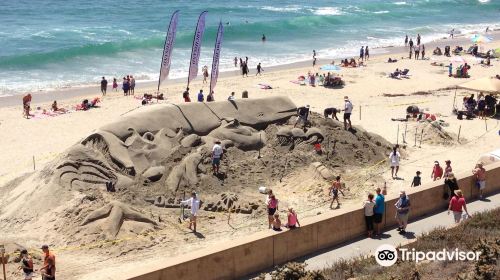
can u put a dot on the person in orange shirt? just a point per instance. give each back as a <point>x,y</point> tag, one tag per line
<point>49,262</point>
<point>480,174</point>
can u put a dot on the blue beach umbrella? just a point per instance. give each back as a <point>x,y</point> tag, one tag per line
<point>330,67</point>
<point>478,39</point>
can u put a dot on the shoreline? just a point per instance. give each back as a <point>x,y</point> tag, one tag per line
<point>43,97</point>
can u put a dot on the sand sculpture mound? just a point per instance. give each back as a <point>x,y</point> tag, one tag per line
<point>155,155</point>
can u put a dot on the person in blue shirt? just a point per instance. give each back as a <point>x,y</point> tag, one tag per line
<point>201,98</point>
<point>378,210</point>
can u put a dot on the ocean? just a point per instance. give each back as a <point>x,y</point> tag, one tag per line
<point>52,44</point>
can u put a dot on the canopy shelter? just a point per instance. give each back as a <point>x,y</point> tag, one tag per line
<point>487,84</point>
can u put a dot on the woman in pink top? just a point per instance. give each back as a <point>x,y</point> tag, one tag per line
<point>456,204</point>
<point>293,221</point>
<point>437,171</point>
<point>272,207</point>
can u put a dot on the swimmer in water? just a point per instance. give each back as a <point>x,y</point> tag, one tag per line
<point>263,38</point>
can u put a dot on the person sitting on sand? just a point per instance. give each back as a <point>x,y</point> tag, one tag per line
<point>210,97</point>
<point>390,60</point>
<point>277,222</point>
<point>56,109</point>
<point>437,51</point>
<point>293,220</point>
<point>352,63</point>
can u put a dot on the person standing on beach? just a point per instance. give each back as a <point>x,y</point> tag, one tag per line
<point>450,70</point>
<point>417,52</point>
<point>217,152</point>
<point>451,33</point>
<point>185,95</point>
<point>378,210</point>
<point>394,158</point>
<point>418,39</point>
<point>259,69</point>
<point>480,174</point>
<point>125,86</point>
<point>347,112</point>
<point>132,84</point>
<point>205,74</point>
<point>410,43</point>
<point>272,207</point>
<point>423,52</point>
<point>194,203</point>
<point>334,190</point>
<point>362,53</point>
<point>367,53</point>
<point>49,262</point>
<point>104,86</point>
<point>314,54</point>
<point>411,51</point>
<point>235,61</point>
<point>26,265</point>
<point>406,40</point>
<point>26,105</point>
<point>115,84</point>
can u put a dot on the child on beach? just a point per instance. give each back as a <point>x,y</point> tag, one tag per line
<point>417,180</point>
<point>277,222</point>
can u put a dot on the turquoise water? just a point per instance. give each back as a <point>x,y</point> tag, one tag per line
<point>48,44</point>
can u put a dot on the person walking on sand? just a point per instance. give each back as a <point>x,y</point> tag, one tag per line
<point>418,39</point>
<point>26,265</point>
<point>406,40</point>
<point>205,74</point>
<point>314,62</point>
<point>292,219</point>
<point>334,190</point>
<point>194,203</point>
<point>362,53</point>
<point>379,209</point>
<point>235,61</point>
<point>347,112</point>
<point>26,105</point>
<point>437,171</point>
<point>367,53</point>
<point>259,69</point>
<point>394,158</point>
<point>452,33</point>
<point>115,84</point>
<point>217,152</point>
<point>272,207</point>
<point>417,52</point>
<point>368,206</point>
<point>402,211</point>
<point>423,52</point>
<point>410,43</point>
<point>480,174</point>
<point>104,86</point>
<point>125,86</point>
<point>457,203</point>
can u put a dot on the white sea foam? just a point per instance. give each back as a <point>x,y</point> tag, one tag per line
<point>400,3</point>
<point>381,12</point>
<point>282,9</point>
<point>327,11</point>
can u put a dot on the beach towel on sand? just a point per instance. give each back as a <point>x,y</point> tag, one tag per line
<point>264,86</point>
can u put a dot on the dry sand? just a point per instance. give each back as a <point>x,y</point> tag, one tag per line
<point>376,99</point>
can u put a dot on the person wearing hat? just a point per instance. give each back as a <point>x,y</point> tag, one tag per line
<point>216,156</point>
<point>26,265</point>
<point>49,262</point>
<point>480,174</point>
<point>194,203</point>
<point>457,203</point>
<point>447,169</point>
<point>452,184</point>
<point>302,115</point>
<point>347,112</point>
<point>402,211</point>
<point>437,171</point>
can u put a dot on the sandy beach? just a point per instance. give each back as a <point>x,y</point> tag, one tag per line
<point>29,145</point>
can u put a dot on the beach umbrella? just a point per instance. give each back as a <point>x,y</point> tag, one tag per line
<point>330,67</point>
<point>487,84</point>
<point>458,59</point>
<point>479,39</point>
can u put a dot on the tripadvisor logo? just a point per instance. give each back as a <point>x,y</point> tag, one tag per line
<point>387,255</point>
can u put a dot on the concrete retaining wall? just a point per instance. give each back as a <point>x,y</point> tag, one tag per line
<point>265,249</point>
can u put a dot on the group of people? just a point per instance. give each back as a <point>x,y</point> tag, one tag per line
<point>348,107</point>
<point>273,216</point>
<point>480,106</point>
<point>244,66</point>
<point>417,50</point>
<point>47,271</point>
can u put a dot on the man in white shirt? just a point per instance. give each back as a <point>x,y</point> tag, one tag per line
<point>216,156</point>
<point>194,203</point>
<point>347,112</point>
<point>231,97</point>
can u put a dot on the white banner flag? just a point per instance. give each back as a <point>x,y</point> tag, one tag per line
<point>215,61</point>
<point>196,49</point>
<point>167,48</point>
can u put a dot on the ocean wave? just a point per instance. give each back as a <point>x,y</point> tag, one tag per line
<point>293,8</point>
<point>381,12</point>
<point>400,3</point>
<point>327,11</point>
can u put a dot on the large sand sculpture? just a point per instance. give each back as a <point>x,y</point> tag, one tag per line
<point>153,155</point>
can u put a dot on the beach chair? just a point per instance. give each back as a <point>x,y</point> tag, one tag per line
<point>395,75</point>
<point>404,73</point>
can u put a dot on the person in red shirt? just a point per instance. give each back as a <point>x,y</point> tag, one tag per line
<point>457,203</point>
<point>437,171</point>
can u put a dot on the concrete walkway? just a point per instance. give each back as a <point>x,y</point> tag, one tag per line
<point>366,246</point>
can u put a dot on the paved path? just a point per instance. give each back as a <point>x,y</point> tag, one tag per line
<point>366,246</point>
